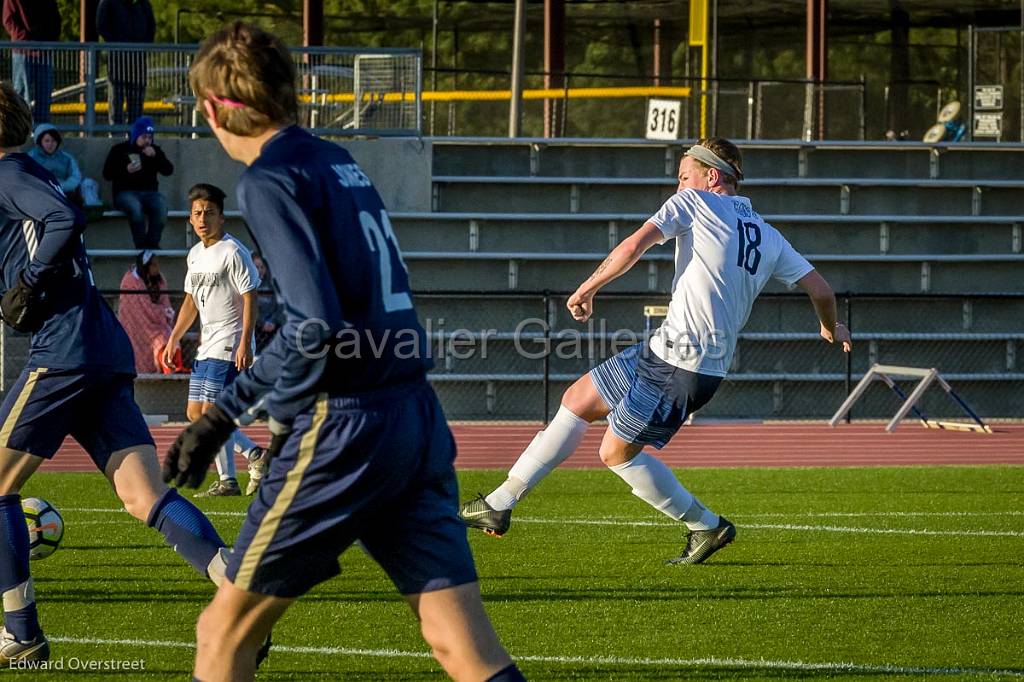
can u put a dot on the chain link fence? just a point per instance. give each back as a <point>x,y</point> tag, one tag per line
<point>510,356</point>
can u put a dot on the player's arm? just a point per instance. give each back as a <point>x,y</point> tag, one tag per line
<point>63,224</point>
<point>282,382</point>
<point>243,354</point>
<point>186,317</point>
<point>619,261</point>
<point>824,301</point>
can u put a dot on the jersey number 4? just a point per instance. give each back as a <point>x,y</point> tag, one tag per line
<point>382,241</point>
<point>750,238</point>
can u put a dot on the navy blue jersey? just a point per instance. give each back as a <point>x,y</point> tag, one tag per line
<point>42,236</point>
<point>350,326</point>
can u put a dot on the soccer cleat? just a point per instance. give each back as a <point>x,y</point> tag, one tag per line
<point>263,651</point>
<point>223,488</point>
<point>13,650</point>
<point>257,469</point>
<point>701,544</point>
<point>478,514</point>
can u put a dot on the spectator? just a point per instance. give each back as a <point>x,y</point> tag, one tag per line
<point>269,316</point>
<point>132,168</point>
<point>147,317</point>
<point>32,70</point>
<point>126,21</point>
<point>61,164</point>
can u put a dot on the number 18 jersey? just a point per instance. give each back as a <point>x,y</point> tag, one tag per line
<point>725,255</point>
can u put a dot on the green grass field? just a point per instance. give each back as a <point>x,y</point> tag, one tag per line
<point>865,574</point>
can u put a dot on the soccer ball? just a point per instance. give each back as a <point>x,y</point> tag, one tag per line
<point>45,527</point>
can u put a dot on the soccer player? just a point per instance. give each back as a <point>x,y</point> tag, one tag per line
<point>725,255</point>
<point>77,382</point>
<point>220,288</point>
<point>361,449</point>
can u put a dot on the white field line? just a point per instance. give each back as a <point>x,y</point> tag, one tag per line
<point>751,664</point>
<point>745,526</point>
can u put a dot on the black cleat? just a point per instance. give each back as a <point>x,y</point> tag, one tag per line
<point>701,544</point>
<point>478,514</point>
<point>263,652</point>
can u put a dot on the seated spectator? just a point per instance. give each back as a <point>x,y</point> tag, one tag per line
<point>147,317</point>
<point>270,316</point>
<point>48,154</point>
<point>132,168</point>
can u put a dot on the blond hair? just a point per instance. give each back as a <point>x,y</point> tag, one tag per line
<point>248,76</point>
<point>15,118</point>
<point>728,152</point>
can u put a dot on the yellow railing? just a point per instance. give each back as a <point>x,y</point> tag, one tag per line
<point>158,106</point>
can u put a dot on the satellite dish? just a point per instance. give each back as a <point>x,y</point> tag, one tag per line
<point>950,112</point>
<point>937,133</point>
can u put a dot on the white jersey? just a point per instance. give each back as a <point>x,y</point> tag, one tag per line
<point>217,277</point>
<point>725,255</point>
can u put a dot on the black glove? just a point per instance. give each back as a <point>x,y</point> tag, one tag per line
<point>22,307</point>
<point>278,437</point>
<point>190,455</point>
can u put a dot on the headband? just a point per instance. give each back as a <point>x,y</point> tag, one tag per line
<point>708,157</point>
<point>226,102</point>
<point>147,256</point>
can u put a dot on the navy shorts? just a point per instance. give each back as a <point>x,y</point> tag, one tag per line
<point>208,379</point>
<point>377,468</point>
<point>96,409</point>
<point>649,398</point>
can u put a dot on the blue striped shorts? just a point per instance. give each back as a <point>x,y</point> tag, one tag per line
<point>649,398</point>
<point>208,379</point>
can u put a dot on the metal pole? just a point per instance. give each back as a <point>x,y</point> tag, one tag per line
<point>972,48</point>
<point>433,65</point>
<point>515,110</point>
<point>90,88</point>
<point>547,356</point>
<point>849,356</point>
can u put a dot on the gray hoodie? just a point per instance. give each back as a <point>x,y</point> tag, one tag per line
<point>61,164</point>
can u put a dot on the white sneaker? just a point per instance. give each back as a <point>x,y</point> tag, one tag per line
<point>12,649</point>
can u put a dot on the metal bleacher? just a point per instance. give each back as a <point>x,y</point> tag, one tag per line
<point>519,216</point>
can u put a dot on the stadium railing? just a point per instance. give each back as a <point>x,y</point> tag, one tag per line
<point>342,91</point>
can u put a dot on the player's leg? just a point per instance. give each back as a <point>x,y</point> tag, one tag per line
<point>34,419</point>
<point>208,379</point>
<point>460,634</point>
<point>231,630</point>
<point>587,400</point>
<point>421,544</point>
<point>653,409</point>
<point>134,473</point>
<point>22,637</point>
<point>111,428</point>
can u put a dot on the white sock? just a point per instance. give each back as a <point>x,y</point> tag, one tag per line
<point>549,448</point>
<point>226,460</point>
<point>243,444</point>
<point>655,484</point>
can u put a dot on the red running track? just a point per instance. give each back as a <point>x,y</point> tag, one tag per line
<point>496,446</point>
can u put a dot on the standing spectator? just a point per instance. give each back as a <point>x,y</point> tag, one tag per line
<point>61,164</point>
<point>132,167</point>
<point>126,21</point>
<point>32,70</point>
<point>145,312</point>
<point>270,316</point>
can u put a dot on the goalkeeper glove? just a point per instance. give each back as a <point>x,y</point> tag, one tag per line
<point>190,455</point>
<point>22,307</point>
